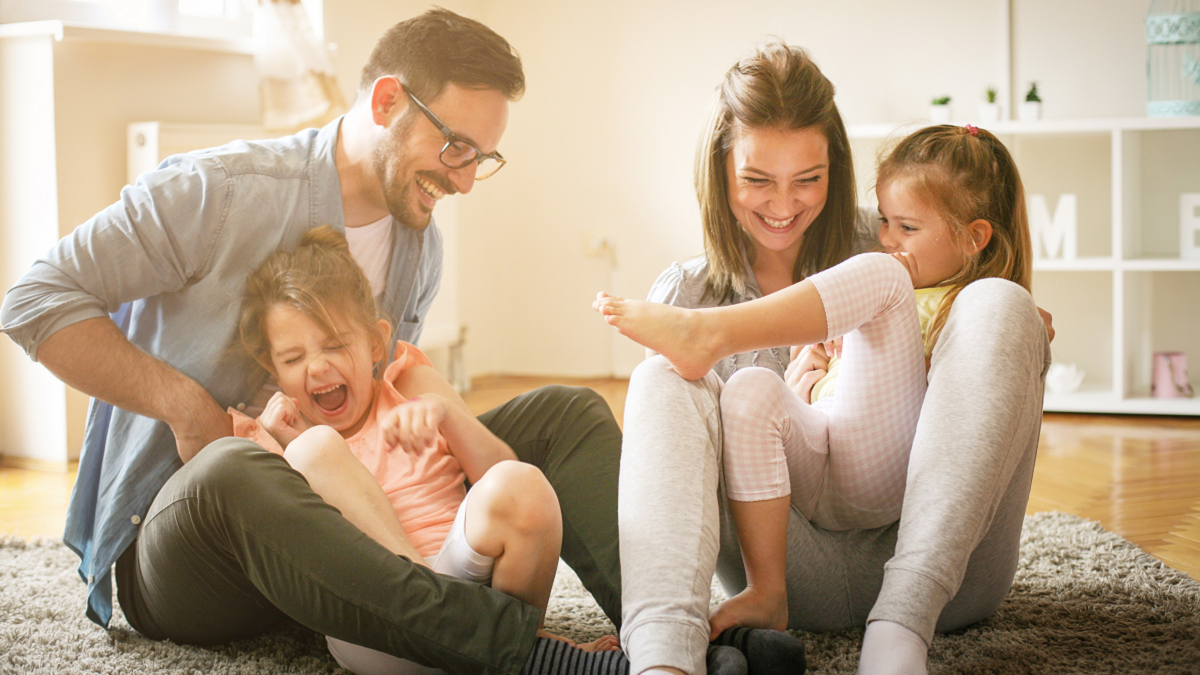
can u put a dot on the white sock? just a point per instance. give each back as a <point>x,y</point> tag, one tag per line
<point>891,649</point>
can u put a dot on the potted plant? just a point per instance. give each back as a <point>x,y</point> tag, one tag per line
<point>989,110</point>
<point>1031,107</point>
<point>939,110</point>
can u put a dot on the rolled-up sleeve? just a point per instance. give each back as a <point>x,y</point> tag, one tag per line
<point>155,239</point>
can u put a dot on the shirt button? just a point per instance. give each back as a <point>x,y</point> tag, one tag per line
<point>135,520</point>
<point>91,578</point>
<point>241,407</point>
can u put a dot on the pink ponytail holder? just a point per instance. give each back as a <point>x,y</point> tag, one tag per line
<point>973,130</point>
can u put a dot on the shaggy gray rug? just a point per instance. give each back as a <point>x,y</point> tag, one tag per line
<point>1084,601</point>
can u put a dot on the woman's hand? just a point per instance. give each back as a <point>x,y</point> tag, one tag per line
<point>809,364</point>
<point>1049,321</point>
<point>282,419</point>
<point>415,424</point>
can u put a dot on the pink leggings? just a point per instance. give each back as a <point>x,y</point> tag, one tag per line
<point>844,459</point>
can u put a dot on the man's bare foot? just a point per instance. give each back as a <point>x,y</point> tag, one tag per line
<point>607,643</point>
<point>671,331</point>
<point>751,608</point>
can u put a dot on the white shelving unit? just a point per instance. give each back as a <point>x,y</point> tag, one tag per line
<point>1127,293</point>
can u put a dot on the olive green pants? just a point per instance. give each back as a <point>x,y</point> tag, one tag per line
<point>236,540</point>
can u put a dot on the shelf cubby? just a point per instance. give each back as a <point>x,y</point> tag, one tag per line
<point>1128,292</point>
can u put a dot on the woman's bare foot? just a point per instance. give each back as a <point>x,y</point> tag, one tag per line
<point>607,643</point>
<point>674,332</point>
<point>751,608</point>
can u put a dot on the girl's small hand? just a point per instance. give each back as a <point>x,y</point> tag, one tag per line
<point>809,364</point>
<point>414,425</point>
<point>910,264</point>
<point>282,419</point>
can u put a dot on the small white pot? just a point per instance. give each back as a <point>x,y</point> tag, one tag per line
<point>989,112</point>
<point>939,114</point>
<point>1030,111</point>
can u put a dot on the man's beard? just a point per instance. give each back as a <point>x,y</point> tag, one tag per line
<point>391,164</point>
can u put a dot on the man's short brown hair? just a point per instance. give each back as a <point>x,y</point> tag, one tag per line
<point>439,47</point>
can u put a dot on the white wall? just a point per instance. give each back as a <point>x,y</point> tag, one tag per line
<point>602,143</point>
<point>63,116</point>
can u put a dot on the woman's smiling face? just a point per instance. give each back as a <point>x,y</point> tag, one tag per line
<point>778,184</point>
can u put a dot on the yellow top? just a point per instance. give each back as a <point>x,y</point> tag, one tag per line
<point>928,300</point>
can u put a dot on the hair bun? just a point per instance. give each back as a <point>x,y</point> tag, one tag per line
<point>326,237</point>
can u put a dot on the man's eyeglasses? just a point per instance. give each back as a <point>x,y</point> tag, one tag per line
<point>458,153</point>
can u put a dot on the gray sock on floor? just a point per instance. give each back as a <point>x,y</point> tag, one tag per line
<point>768,652</point>
<point>724,660</point>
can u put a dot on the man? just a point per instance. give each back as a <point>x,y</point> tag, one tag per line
<point>213,539</point>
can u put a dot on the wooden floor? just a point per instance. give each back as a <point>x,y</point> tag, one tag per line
<point>1137,476</point>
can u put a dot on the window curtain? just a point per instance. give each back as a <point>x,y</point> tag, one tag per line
<point>296,80</point>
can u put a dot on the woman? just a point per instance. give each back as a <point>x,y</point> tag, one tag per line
<point>775,185</point>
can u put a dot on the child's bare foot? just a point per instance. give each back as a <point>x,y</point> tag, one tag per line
<point>671,331</point>
<point>752,608</point>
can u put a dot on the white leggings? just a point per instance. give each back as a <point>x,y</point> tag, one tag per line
<point>843,460</point>
<point>457,559</point>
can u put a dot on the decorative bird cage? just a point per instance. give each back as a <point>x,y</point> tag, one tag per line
<point>1173,58</point>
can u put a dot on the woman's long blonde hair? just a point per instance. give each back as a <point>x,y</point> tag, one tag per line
<point>320,279</point>
<point>777,87</point>
<point>966,174</point>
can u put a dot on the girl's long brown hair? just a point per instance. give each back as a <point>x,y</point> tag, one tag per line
<point>966,174</point>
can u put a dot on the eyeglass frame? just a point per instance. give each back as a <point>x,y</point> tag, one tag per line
<point>452,138</point>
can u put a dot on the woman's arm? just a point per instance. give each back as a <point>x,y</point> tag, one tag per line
<point>475,447</point>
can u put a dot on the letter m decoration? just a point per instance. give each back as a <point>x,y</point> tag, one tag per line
<point>1053,236</point>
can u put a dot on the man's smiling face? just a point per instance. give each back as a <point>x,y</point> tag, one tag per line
<point>407,161</point>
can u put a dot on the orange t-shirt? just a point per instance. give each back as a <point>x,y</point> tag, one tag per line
<point>425,487</point>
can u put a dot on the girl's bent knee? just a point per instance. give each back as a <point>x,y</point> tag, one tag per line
<point>743,393</point>
<point>520,494</point>
<point>316,446</point>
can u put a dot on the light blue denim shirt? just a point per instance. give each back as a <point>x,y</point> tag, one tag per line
<point>169,262</point>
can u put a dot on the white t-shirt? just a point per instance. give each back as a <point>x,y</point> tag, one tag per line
<point>371,248</point>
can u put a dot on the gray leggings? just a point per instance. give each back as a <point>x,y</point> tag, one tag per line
<point>947,563</point>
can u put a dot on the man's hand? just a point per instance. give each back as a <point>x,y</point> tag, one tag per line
<point>282,419</point>
<point>206,423</point>
<point>809,364</point>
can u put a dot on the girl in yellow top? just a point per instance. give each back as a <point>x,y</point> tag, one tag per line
<point>953,212</point>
